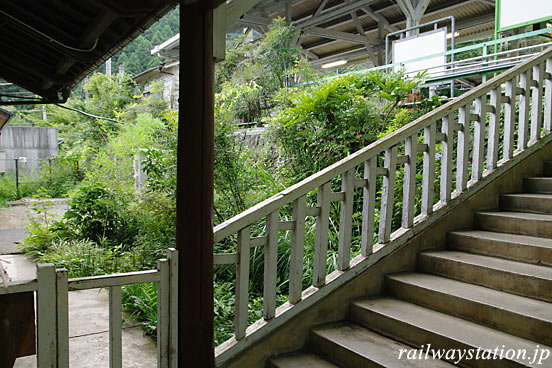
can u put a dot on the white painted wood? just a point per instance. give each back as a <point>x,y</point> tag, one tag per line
<point>62,322</point>
<point>548,97</point>
<point>445,186</point>
<point>346,220</point>
<point>409,185</point>
<point>229,258</point>
<point>242,284</point>
<point>287,225</point>
<point>172,255</point>
<point>270,265</point>
<point>117,279</point>
<point>463,149</point>
<point>509,119</point>
<point>479,138</point>
<point>368,207</point>
<point>494,122</point>
<point>428,185</point>
<point>536,102</point>
<point>115,328</point>
<point>297,251</point>
<point>19,287</point>
<point>307,185</point>
<point>163,310</point>
<point>387,195</point>
<point>523,119</point>
<point>46,316</point>
<point>259,241</point>
<point>321,237</point>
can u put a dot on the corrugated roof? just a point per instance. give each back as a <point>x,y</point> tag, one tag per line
<point>472,17</point>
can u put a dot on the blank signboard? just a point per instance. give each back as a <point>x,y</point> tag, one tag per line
<point>516,13</point>
<point>422,45</point>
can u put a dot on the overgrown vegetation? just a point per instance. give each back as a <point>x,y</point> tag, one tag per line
<point>112,227</point>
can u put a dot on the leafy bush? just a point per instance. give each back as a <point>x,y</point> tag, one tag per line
<point>99,212</point>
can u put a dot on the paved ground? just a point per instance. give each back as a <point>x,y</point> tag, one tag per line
<point>88,309</point>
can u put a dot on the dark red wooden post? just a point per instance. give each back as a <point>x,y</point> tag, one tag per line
<point>194,195</point>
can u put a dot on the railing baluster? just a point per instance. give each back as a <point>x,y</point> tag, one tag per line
<point>446,160</point>
<point>115,321</point>
<point>270,265</point>
<point>509,119</point>
<point>297,251</point>
<point>536,102</point>
<point>163,289</point>
<point>62,289</point>
<point>387,195</point>
<point>172,255</point>
<point>409,186</point>
<point>479,138</point>
<point>242,283</point>
<point>368,206</point>
<point>346,220</point>
<point>523,119</point>
<point>428,185</point>
<point>321,238</point>
<point>462,156</point>
<point>548,97</point>
<point>46,316</point>
<point>494,122</point>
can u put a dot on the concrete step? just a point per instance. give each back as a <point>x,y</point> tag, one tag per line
<point>430,330</point>
<point>300,360</point>
<point>547,168</point>
<point>531,224</point>
<point>538,185</point>
<point>510,246</point>
<point>526,202</point>
<point>513,277</point>
<point>524,317</point>
<point>352,346</point>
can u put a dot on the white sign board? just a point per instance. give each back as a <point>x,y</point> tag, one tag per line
<point>422,45</point>
<point>516,13</point>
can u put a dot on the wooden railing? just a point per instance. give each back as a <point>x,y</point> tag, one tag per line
<point>52,310</point>
<point>467,134</point>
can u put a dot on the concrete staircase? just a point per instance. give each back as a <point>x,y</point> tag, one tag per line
<point>490,288</point>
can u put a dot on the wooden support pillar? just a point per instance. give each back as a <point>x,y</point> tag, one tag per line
<point>194,195</point>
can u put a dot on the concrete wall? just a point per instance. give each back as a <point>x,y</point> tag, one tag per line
<point>294,334</point>
<point>35,143</point>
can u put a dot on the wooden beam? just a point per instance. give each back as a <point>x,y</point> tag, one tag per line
<point>93,31</point>
<point>333,13</point>
<point>194,193</point>
<point>320,8</point>
<point>343,36</point>
<point>379,18</point>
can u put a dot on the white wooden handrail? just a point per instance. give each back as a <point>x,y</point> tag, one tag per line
<point>476,112</point>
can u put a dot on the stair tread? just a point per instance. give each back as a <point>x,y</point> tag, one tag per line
<point>303,360</point>
<point>501,264</point>
<point>532,241</point>
<point>528,195</point>
<point>498,299</point>
<point>515,214</point>
<point>457,329</point>
<point>373,346</point>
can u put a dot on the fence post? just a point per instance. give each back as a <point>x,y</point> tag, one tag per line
<point>163,289</point>
<point>62,311</point>
<point>46,316</point>
<point>172,255</point>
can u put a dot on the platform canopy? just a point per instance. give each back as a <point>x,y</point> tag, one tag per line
<point>354,30</point>
<point>47,46</point>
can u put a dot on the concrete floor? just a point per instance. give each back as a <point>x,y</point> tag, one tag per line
<point>89,335</point>
<point>88,311</point>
